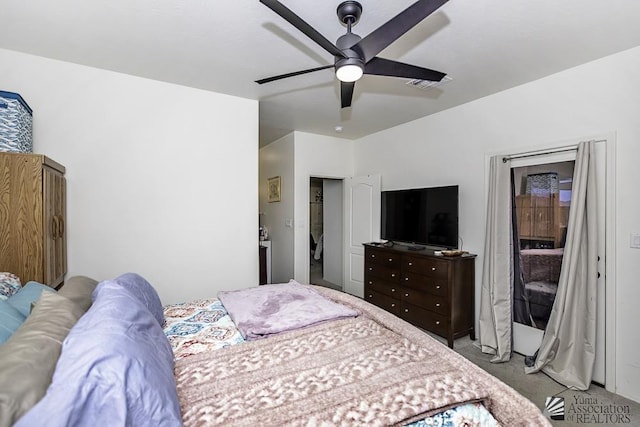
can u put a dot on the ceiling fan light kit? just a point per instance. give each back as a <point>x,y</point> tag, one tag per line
<point>349,70</point>
<point>354,55</point>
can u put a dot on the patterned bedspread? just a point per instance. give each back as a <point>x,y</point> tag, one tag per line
<point>204,325</point>
<point>199,326</point>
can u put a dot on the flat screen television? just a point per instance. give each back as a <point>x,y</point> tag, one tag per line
<point>422,216</point>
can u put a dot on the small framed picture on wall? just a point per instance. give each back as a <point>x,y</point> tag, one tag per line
<point>273,189</point>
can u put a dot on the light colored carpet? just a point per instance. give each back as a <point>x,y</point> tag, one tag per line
<point>595,406</point>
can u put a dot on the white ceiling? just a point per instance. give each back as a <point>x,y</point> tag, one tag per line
<point>485,46</point>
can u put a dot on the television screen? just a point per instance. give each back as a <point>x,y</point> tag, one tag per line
<point>424,216</point>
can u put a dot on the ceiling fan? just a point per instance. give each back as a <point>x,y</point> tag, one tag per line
<point>354,55</point>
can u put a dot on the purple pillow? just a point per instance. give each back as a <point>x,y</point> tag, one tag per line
<point>144,292</point>
<point>116,368</point>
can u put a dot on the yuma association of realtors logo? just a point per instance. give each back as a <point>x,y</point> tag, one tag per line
<point>554,408</point>
<point>588,410</point>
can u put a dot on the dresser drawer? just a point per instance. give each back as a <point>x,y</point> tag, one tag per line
<point>390,259</point>
<point>379,285</point>
<point>428,266</point>
<point>392,305</point>
<point>433,285</point>
<point>427,301</point>
<point>384,272</point>
<point>425,319</point>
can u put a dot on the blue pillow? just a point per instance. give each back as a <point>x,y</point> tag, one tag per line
<point>116,368</point>
<point>144,292</point>
<point>31,292</point>
<point>10,320</point>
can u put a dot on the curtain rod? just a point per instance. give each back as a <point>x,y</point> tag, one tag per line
<point>505,159</point>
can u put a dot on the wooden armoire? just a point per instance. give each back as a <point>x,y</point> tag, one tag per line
<point>542,218</point>
<point>32,218</point>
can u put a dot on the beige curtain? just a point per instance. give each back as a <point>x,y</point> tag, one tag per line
<point>495,320</point>
<point>567,351</point>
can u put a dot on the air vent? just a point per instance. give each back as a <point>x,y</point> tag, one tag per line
<point>426,84</point>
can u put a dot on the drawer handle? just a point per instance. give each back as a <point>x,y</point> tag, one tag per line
<point>370,282</point>
<point>370,268</point>
<point>437,304</point>
<point>410,263</point>
<point>406,279</point>
<point>370,296</point>
<point>437,322</point>
<point>390,259</point>
<point>393,305</point>
<point>406,310</point>
<point>406,295</point>
<point>433,269</point>
<point>393,289</point>
<point>373,255</point>
<point>437,286</point>
<point>393,274</point>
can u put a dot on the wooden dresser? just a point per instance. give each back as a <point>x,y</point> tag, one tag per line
<point>32,218</point>
<point>432,292</point>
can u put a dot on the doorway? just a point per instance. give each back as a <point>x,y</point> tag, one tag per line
<point>541,201</point>
<point>542,194</point>
<point>326,232</point>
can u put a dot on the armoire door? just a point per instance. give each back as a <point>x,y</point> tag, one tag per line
<point>54,194</point>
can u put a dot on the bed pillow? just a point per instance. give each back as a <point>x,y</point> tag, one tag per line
<point>144,292</point>
<point>30,293</point>
<point>9,285</point>
<point>28,359</point>
<point>79,290</point>
<point>10,320</point>
<point>116,368</point>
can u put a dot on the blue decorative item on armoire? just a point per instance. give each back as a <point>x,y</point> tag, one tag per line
<point>542,184</point>
<point>16,123</point>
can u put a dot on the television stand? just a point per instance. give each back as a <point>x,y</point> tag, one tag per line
<point>432,292</point>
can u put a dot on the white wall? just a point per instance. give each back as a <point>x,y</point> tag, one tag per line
<point>318,156</point>
<point>161,179</point>
<point>450,148</point>
<point>276,159</point>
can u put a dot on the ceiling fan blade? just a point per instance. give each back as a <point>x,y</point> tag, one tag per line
<point>346,93</point>
<point>296,73</point>
<point>301,25</point>
<point>386,34</point>
<point>387,67</point>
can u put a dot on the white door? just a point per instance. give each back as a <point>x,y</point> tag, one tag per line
<point>526,340</point>
<point>361,225</point>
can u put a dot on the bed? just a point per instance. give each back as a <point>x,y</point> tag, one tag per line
<point>286,354</point>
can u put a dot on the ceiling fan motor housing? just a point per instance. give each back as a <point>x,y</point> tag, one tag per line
<point>344,43</point>
<point>349,12</point>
